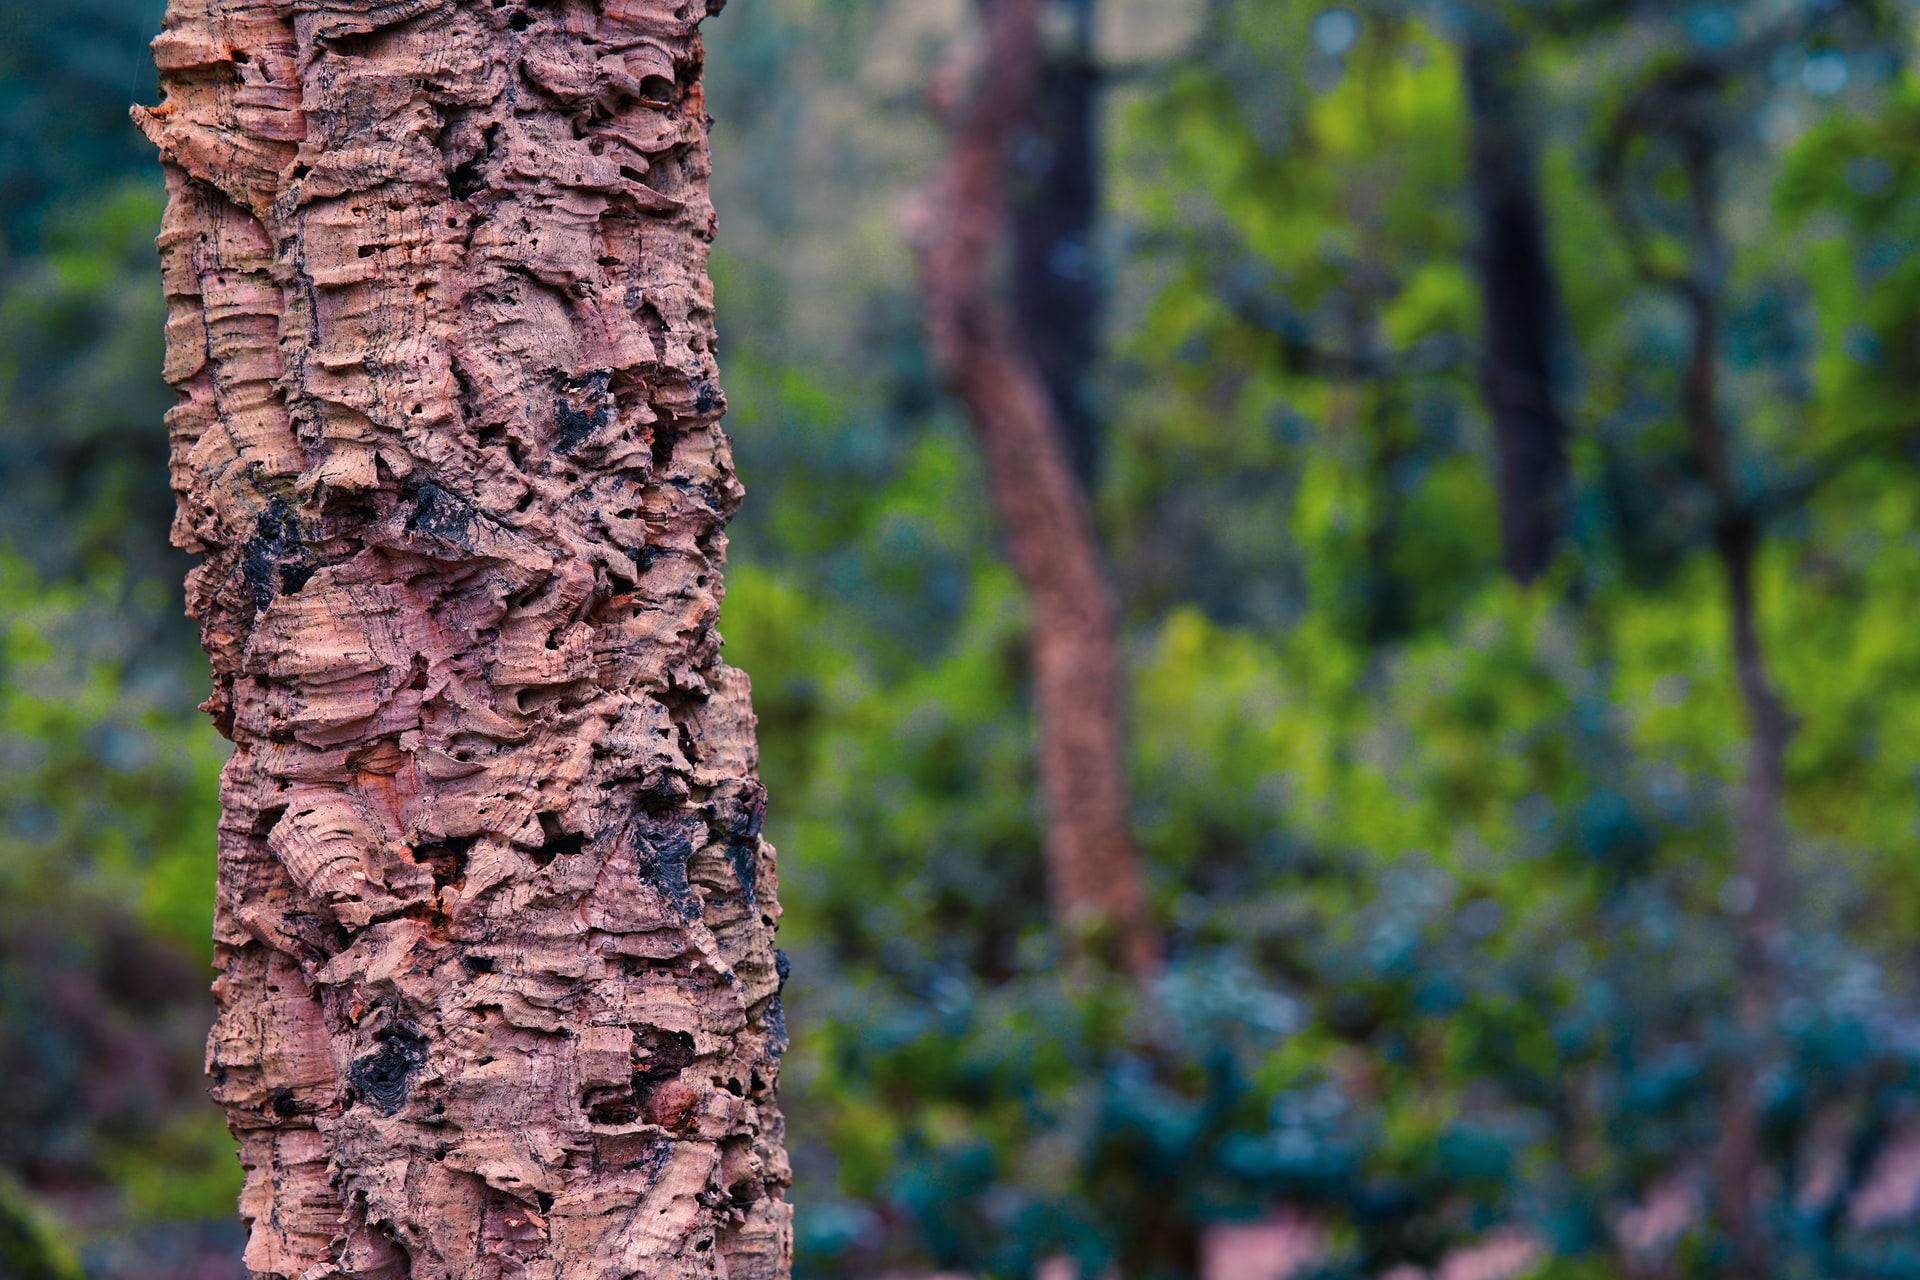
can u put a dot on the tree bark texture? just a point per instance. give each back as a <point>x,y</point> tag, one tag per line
<point>498,995</point>
<point>1093,873</point>
<point>1521,304</point>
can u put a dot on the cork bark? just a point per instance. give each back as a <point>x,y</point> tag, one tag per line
<point>498,995</point>
<point>1098,894</point>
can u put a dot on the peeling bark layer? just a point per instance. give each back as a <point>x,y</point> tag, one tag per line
<point>1093,872</point>
<point>498,991</point>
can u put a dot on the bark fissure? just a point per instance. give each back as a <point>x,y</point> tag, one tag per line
<point>497,992</point>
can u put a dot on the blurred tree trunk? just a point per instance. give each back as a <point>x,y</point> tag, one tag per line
<point>1759,835</point>
<point>1671,105</point>
<point>1093,873</point>
<point>498,993</point>
<point>1520,301</point>
<point>1057,293</point>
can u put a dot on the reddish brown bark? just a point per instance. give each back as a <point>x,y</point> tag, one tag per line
<point>498,992</point>
<point>1093,873</point>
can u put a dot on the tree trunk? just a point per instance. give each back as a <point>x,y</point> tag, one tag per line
<point>1521,304</point>
<point>1759,837</point>
<point>498,993</point>
<point>1093,875</point>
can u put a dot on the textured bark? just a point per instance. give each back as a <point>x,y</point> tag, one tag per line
<point>498,993</point>
<point>1521,305</point>
<point>1093,873</point>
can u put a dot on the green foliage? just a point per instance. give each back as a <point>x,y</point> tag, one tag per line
<point>30,1248</point>
<point>83,457</point>
<point>108,786</point>
<point>68,73</point>
<point>110,778</point>
<point>184,1171</point>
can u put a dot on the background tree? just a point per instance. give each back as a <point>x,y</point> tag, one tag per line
<point>1521,342</point>
<point>978,338</point>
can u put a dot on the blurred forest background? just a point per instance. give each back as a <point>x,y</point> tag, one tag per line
<point>1502,421</point>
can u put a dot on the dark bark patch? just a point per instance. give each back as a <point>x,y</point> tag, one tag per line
<point>468,178</point>
<point>465,179</point>
<point>658,1057</point>
<point>572,426</point>
<point>661,446</point>
<point>777,1041</point>
<point>659,1054</point>
<point>618,1107</point>
<point>275,551</point>
<point>351,44</point>
<point>776,1008</point>
<point>439,514</point>
<point>741,817</point>
<point>446,859</point>
<point>652,1162</point>
<point>582,408</point>
<point>383,1076</point>
<point>665,846</point>
<point>740,856</point>
<point>556,840</point>
<point>644,1153</point>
